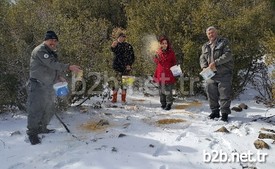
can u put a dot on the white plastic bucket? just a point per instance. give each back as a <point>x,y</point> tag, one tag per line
<point>176,70</point>
<point>207,73</point>
<point>61,89</point>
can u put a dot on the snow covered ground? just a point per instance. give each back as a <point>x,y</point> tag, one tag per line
<point>140,135</point>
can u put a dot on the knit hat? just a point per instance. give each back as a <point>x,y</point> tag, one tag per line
<point>51,35</point>
<point>121,34</point>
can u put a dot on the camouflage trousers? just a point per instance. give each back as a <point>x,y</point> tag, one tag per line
<point>116,83</point>
<point>165,93</point>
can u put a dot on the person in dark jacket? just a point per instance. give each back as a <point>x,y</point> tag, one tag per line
<point>124,58</point>
<point>216,55</point>
<point>45,70</point>
<point>165,58</point>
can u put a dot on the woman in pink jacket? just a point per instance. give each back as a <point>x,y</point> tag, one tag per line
<point>165,58</point>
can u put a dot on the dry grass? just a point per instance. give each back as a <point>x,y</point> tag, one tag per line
<point>188,105</point>
<point>94,126</point>
<point>170,121</point>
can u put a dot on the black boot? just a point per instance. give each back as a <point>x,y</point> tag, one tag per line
<point>163,106</point>
<point>46,131</point>
<point>168,107</point>
<point>214,114</point>
<point>224,117</point>
<point>34,139</point>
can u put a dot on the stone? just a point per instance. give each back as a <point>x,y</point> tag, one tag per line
<point>222,129</point>
<point>237,109</point>
<point>243,106</point>
<point>266,136</point>
<point>260,144</point>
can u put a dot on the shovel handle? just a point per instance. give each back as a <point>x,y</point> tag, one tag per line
<point>65,126</point>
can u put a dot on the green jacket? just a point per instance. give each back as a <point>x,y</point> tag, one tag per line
<point>44,65</point>
<point>222,57</point>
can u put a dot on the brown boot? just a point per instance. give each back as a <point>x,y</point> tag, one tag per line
<point>114,99</point>
<point>123,96</point>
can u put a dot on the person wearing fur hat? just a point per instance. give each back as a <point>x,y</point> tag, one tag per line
<point>124,58</point>
<point>165,58</point>
<point>45,70</point>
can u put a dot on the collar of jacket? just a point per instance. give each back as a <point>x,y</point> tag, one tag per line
<point>50,50</point>
<point>217,41</point>
<point>47,47</point>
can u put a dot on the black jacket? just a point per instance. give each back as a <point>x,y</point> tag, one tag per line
<point>123,56</point>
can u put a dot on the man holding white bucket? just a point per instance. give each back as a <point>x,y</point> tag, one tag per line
<point>216,55</point>
<point>45,71</point>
